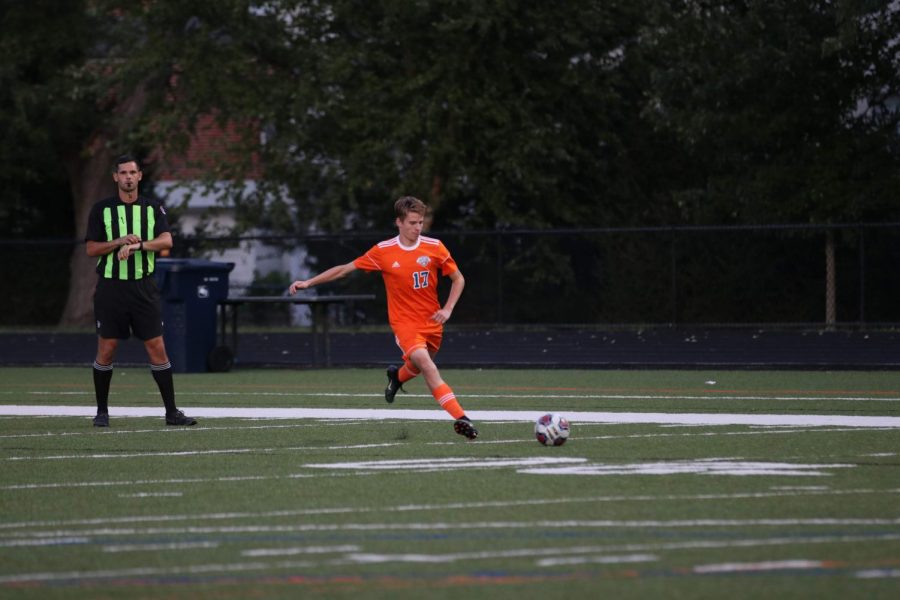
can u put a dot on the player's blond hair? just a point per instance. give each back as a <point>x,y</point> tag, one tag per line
<point>409,204</point>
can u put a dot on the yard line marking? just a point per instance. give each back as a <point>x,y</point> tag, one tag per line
<point>878,573</point>
<point>324,423</point>
<point>693,467</point>
<point>420,465</point>
<point>805,420</point>
<point>435,507</point>
<point>149,571</point>
<point>190,453</point>
<point>613,548</point>
<point>596,560</point>
<point>581,466</point>
<point>79,484</point>
<point>755,567</point>
<point>45,542</point>
<point>301,550</point>
<point>536,394</point>
<point>343,527</point>
<point>175,430</point>
<point>49,576</point>
<point>117,548</point>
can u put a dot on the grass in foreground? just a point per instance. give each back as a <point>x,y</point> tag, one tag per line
<point>392,508</point>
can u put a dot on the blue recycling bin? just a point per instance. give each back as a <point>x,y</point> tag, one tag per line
<point>190,290</point>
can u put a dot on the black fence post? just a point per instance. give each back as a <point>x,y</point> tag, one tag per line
<point>862,277</point>
<point>499,278</point>
<point>673,300</point>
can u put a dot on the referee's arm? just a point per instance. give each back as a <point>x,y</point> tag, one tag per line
<point>103,248</point>
<point>130,242</point>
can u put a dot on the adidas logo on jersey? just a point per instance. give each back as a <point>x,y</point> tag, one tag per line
<point>396,265</point>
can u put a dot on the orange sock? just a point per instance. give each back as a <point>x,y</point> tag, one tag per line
<point>447,399</point>
<point>406,372</point>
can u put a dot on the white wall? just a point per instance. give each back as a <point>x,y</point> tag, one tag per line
<point>197,207</point>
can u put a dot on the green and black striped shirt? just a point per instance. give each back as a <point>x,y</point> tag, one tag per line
<point>111,219</point>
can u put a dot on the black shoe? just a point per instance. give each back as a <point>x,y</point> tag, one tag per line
<point>101,420</point>
<point>179,418</point>
<point>465,428</point>
<point>393,385</point>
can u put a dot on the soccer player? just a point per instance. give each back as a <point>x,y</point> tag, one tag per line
<point>410,265</point>
<point>124,233</point>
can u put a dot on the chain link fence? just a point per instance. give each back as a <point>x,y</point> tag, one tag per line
<point>786,275</point>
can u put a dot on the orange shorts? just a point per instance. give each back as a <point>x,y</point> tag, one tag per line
<point>411,338</point>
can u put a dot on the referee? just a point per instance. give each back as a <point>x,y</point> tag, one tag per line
<point>124,233</point>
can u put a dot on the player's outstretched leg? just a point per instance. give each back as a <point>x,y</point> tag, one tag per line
<point>445,397</point>
<point>464,427</point>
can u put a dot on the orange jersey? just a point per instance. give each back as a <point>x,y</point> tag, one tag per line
<point>410,277</point>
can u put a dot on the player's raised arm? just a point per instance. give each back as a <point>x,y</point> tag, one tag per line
<point>324,277</point>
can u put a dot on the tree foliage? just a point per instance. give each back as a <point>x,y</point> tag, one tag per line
<point>499,114</point>
<point>790,107</point>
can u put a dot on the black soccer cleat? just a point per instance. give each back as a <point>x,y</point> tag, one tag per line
<point>393,385</point>
<point>101,420</point>
<point>465,428</point>
<point>179,418</point>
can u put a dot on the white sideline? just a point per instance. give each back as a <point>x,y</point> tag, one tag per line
<point>206,412</point>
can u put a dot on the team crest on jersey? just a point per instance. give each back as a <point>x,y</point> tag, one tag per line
<point>423,260</point>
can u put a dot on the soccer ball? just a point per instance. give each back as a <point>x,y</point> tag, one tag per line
<point>551,429</point>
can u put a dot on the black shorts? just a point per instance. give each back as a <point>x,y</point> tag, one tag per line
<point>123,307</point>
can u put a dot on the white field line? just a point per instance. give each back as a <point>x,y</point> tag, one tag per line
<point>878,573</point>
<point>23,538</point>
<point>803,420</point>
<point>254,552</point>
<point>152,571</point>
<point>192,453</point>
<point>615,548</point>
<point>503,396</point>
<point>763,566</point>
<point>435,508</point>
<point>194,430</point>
<point>174,430</point>
<point>180,481</point>
<point>372,558</point>
<point>596,560</point>
<point>158,547</point>
<point>70,537</point>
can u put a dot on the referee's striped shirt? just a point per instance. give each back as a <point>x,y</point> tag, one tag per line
<point>111,219</point>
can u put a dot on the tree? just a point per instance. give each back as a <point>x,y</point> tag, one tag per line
<point>790,106</point>
<point>82,83</point>
<point>787,105</point>
<point>67,118</point>
<point>496,114</point>
<point>502,114</point>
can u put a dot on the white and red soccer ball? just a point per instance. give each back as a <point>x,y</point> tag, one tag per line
<point>551,429</point>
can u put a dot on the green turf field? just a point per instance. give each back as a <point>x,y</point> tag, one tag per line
<point>392,504</point>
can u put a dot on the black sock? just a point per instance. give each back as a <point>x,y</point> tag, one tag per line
<point>163,376</point>
<point>102,376</point>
